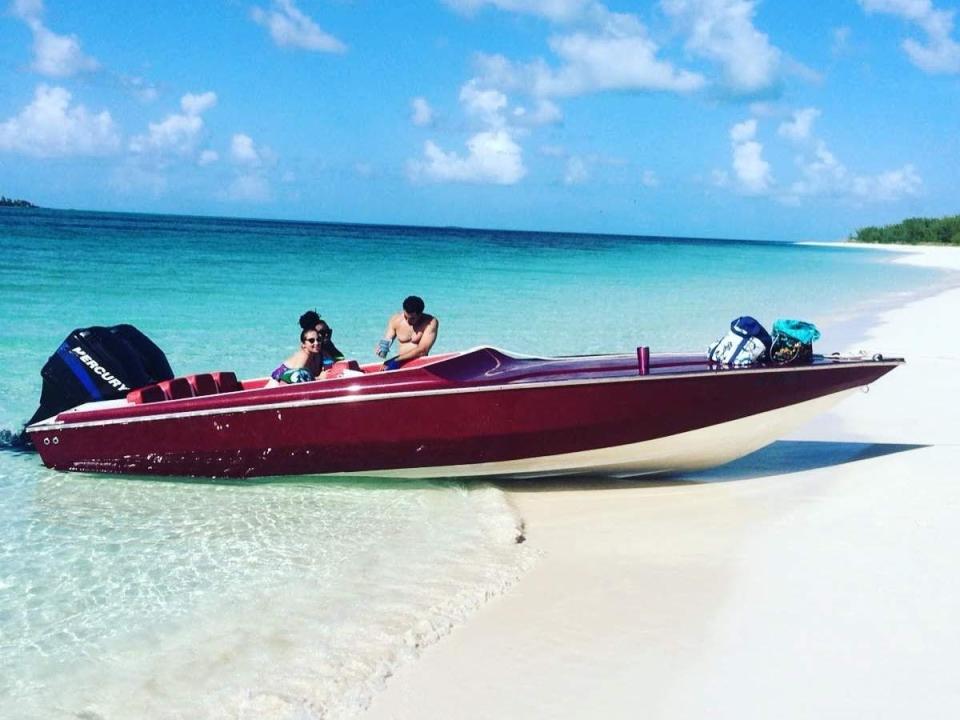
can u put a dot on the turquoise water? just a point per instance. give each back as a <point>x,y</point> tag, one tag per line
<point>126,598</point>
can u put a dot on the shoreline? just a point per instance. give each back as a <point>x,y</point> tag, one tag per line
<point>814,577</point>
<point>855,328</point>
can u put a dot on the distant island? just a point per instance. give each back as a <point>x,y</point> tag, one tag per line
<point>913,231</point>
<point>10,202</point>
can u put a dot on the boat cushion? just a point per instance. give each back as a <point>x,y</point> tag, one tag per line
<point>341,368</point>
<point>146,394</point>
<point>188,386</point>
<point>227,381</point>
<point>203,384</point>
<point>176,389</point>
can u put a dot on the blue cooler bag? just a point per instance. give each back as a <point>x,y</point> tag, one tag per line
<point>747,343</point>
<point>793,342</point>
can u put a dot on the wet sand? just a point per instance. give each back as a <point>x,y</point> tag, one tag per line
<point>815,578</point>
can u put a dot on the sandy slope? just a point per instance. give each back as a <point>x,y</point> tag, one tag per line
<point>816,578</point>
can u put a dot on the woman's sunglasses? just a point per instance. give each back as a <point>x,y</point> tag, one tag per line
<point>312,340</point>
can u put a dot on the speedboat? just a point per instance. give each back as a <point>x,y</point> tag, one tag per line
<point>483,412</point>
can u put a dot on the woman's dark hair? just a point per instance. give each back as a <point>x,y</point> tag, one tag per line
<point>413,304</point>
<point>309,320</point>
<point>303,334</point>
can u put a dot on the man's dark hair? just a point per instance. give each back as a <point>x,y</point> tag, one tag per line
<point>413,304</point>
<point>309,320</point>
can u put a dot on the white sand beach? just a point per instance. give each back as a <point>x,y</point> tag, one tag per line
<point>816,578</point>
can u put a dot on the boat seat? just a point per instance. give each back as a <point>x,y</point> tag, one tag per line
<point>203,384</point>
<point>176,389</point>
<point>146,394</point>
<point>227,381</point>
<point>340,367</point>
<point>184,387</point>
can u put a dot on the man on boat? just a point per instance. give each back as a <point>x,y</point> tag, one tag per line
<point>415,330</point>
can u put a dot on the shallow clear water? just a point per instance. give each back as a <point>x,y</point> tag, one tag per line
<point>128,598</point>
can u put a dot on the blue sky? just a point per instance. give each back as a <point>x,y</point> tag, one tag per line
<point>718,118</point>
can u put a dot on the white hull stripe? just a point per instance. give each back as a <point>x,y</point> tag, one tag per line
<point>692,450</point>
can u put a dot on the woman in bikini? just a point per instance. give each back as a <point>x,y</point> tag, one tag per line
<point>305,364</point>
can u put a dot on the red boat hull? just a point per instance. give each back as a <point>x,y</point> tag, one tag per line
<point>431,421</point>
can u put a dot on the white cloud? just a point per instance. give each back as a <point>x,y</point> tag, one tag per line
<point>250,184</point>
<point>242,150</point>
<point>544,112</point>
<point>291,27</point>
<point>493,154</point>
<point>610,51</point>
<point>596,63</point>
<point>177,134</point>
<point>198,104</point>
<point>26,9</point>
<point>821,174</point>
<point>484,104</point>
<point>615,55</point>
<point>58,55</point>
<point>799,128</point>
<point>493,157</point>
<point>723,31</point>
<point>744,131</point>
<point>50,127</point>
<point>940,53</point>
<point>751,170</point>
<point>53,55</point>
<point>888,186</point>
<point>824,174</point>
<point>421,112</point>
<point>208,157</point>
<point>648,178</point>
<point>555,10</point>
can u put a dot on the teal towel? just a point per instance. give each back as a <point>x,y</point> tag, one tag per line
<point>797,329</point>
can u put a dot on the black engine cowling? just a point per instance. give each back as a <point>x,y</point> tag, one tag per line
<point>99,363</point>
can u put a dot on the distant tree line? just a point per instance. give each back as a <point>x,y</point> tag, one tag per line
<point>914,231</point>
<point>10,202</point>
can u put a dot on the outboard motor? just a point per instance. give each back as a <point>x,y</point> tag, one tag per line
<point>99,363</point>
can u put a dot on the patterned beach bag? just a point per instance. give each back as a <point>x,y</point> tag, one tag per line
<point>793,342</point>
<point>747,343</point>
